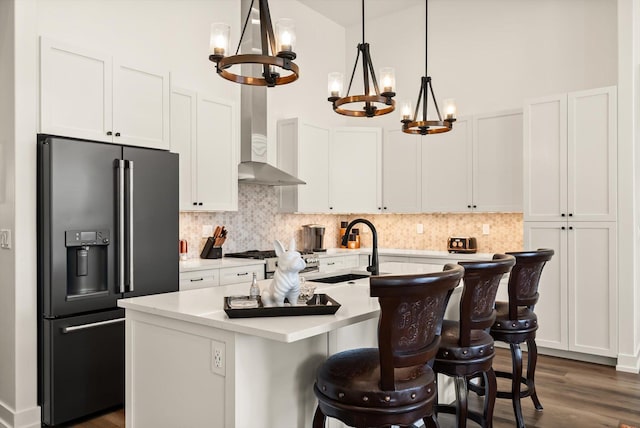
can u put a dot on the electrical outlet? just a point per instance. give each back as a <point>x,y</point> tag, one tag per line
<point>218,357</point>
<point>5,239</point>
<point>207,230</point>
<point>419,228</point>
<point>485,229</point>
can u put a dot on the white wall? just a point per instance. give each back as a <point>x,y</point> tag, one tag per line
<point>7,279</point>
<point>490,55</point>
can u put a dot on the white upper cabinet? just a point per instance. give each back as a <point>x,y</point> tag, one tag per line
<point>87,94</point>
<point>75,91</point>
<point>497,162</point>
<point>570,155</point>
<point>401,169</point>
<point>303,151</point>
<point>355,166</point>
<point>446,169</point>
<point>141,106</point>
<point>205,132</point>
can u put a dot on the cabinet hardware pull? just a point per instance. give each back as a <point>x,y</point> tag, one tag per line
<point>563,228</point>
<point>69,329</point>
<point>195,203</point>
<point>199,203</point>
<point>331,263</point>
<point>468,206</point>
<point>570,227</point>
<point>562,214</point>
<point>242,274</point>
<point>117,134</point>
<point>197,279</point>
<point>570,214</point>
<point>109,133</point>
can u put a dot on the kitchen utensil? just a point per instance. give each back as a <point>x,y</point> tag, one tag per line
<point>313,237</point>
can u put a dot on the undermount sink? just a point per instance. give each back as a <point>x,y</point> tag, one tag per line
<point>340,278</point>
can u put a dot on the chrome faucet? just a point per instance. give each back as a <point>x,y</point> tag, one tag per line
<point>374,268</point>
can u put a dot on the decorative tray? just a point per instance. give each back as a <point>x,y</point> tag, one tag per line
<point>244,307</point>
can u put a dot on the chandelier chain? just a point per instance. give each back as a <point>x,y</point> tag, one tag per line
<point>244,28</point>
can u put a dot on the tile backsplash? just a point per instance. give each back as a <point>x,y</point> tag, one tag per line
<point>257,223</point>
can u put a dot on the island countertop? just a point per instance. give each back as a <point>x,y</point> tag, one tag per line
<point>206,307</point>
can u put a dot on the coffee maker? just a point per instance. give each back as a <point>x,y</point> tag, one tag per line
<point>313,237</point>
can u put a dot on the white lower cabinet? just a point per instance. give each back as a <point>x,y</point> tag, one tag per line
<point>199,279</point>
<point>204,132</point>
<point>578,287</point>
<point>334,263</point>
<point>191,280</point>
<point>235,275</point>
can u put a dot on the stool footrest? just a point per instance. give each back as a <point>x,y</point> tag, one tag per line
<point>450,409</point>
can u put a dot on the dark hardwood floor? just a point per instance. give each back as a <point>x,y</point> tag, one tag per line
<point>573,393</point>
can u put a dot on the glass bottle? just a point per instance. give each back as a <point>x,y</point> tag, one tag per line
<point>254,290</point>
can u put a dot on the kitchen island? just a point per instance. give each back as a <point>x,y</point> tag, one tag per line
<point>188,364</point>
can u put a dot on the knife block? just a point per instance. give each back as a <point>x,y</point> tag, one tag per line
<point>211,252</point>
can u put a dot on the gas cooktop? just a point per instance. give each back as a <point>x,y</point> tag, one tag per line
<point>258,255</point>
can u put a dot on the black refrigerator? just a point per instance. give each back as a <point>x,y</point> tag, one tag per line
<point>107,229</point>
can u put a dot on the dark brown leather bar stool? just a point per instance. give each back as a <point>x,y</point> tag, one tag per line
<point>516,323</point>
<point>394,383</point>
<point>466,348</point>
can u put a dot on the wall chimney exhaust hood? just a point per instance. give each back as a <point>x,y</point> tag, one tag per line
<point>253,167</point>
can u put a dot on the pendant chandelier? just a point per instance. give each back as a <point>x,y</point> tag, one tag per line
<point>372,102</point>
<point>421,124</point>
<point>276,55</point>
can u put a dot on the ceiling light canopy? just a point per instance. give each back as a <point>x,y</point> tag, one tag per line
<point>275,60</point>
<point>373,101</point>
<point>421,124</point>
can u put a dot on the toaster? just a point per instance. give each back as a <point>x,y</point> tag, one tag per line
<point>462,244</point>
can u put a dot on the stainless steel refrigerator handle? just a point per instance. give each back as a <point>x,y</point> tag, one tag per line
<point>130,171</point>
<point>73,328</point>
<point>121,279</point>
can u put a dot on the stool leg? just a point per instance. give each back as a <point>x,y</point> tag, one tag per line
<point>516,361</point>
<point>318,418</point>
<point>461,401</point>
<point>431,421</point>
<point>491,390</point>
<point>532,359</point>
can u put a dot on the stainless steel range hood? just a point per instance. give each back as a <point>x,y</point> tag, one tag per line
<point>253,167</point>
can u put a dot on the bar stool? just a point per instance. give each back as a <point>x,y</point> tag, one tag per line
<point>394,383</point>
<point>516,323</point>
<point>466,348</point>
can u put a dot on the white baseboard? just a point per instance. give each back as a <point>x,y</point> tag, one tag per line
<point>29,418</point>
<point>628,363</point>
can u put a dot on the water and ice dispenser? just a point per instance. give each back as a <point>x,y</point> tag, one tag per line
<point>87,262</point>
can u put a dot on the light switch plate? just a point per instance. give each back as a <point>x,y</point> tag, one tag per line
<point>218,357</point>
<point>485,229</point>
<point>419,228</point>
<point>5,239</point>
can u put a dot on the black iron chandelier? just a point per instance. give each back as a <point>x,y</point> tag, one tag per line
<point>277,51</point>
<point>421,124</point>
<point>372,102</point>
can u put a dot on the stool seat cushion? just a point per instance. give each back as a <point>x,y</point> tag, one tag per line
<point>481,348</point>
<point>353,378</point>
<point>527,319</point>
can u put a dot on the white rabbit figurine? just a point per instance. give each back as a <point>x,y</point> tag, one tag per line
<point>286,282</point>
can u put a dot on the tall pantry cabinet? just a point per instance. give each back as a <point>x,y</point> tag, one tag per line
<point>570,190</point>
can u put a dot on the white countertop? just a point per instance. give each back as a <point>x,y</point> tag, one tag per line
<point>408,253</point>
<point>205,307</point>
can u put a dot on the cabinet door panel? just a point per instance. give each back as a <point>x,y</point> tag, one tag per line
<point>401,173</point>
<point>75,92</point>
<point>545,159</point>
<point>355,166</point>
<point>141,106</point>
<point>497,162</point>
<point>313,160</point>
<point>446,169</point>
<point>183,141</point>
<point>592,287</point>
<point>592,155</point>
<point>217,155</point>
<point>552,305</point>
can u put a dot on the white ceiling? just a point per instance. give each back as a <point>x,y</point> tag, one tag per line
<point>349,12</point>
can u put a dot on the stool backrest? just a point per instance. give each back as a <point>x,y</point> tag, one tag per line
<point>411,312</point>
<point>477,303</point>
<point>525,277</point>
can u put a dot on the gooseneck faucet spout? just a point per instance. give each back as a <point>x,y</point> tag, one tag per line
<point>374,268</point>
